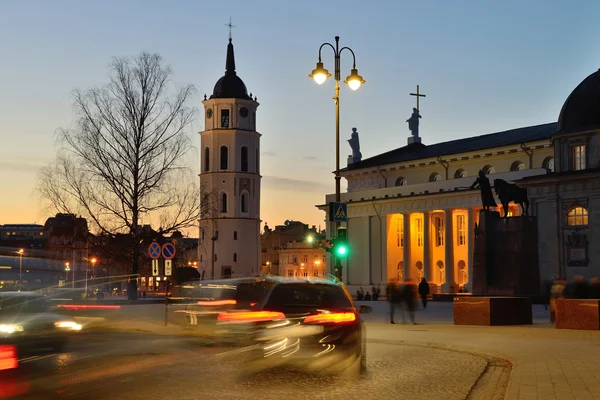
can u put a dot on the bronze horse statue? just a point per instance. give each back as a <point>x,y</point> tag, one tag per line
<point>508,192</point>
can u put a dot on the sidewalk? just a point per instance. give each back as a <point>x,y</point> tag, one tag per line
<point>547,363</point>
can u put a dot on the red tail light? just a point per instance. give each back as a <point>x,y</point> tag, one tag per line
<point>217,303</point>
<point>250,316</point>
<point>331,318</point>
<point>8,357</point>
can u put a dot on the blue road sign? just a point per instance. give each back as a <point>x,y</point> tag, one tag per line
<point>168,250</point>
<point>338,212</point>
<point>154,250</point>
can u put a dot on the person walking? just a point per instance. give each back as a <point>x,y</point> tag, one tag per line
<point>424,291</point>
<point>407,295</point>
<point>393,297</point>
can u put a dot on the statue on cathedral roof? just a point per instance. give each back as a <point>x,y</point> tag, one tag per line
<point>413,122</point>
<point>355,145</point>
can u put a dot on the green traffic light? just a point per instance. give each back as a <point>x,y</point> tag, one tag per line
<point>342,250</point>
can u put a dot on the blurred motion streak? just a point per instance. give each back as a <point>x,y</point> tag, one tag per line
<point>217,303</point>
<point>250,316</point>
<point>335,318</point>
<point>88,307</point>
<point>8,357</point>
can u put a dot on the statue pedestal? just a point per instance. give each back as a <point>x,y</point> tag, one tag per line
<point>414,139</point>
<point>505,261</point>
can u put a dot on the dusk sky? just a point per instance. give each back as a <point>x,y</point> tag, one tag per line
<point>485,67</point>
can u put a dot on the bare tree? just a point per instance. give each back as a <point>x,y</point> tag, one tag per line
<point>124,160</point>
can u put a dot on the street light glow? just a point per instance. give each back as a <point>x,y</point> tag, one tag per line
<point>310,239</point>
<point>319,74</point>
<point>342,250</point>
<point>21,251</point>
<point>354,80</point>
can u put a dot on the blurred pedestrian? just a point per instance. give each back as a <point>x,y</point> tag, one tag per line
<point>393,297</point>
<point>407,294</point>
<point>424,291</point>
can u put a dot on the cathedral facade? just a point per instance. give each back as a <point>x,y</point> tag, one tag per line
<point>412,211</point>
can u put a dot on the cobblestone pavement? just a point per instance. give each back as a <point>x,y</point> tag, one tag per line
<point>192,372</point>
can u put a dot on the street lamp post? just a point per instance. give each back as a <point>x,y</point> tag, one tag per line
<point>67,269</point>
<point>93,261</point>
<point>21,251</point>
<point>354,81</point>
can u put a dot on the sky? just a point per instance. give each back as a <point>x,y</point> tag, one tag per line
<point>485,66</point>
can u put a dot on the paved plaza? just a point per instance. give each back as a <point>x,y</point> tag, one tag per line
<point>520,362</point>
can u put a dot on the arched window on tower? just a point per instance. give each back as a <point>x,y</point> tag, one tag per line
<point>206,159</point>
<point>244,156</point>
<point>224,202</point>
<point>244,202</point>
<point>435,177</point>
<point>224,158</point>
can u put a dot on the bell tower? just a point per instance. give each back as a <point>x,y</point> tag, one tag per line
<point>229,244</point>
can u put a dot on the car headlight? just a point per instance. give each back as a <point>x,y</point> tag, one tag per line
<point>10,328</point>
<point>72,325</point>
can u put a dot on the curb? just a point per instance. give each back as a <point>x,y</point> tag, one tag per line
<point>490,385</point>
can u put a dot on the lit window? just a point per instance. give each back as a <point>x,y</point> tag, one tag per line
<point>290,273</point>
<point>578,153</point>
<point>462,230</point>
<point>400,232</point>
<point>419,232</point>
<point>439,231</point>
<point>578,216</point>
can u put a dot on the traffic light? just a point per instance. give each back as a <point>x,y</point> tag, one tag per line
<point>340,246</point>
<point>328,246</point>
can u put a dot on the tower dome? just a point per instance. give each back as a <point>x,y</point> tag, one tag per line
<point>230,86</point>
<point>581,110</point>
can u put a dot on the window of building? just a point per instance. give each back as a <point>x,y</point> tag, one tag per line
<point>460,173</point>
<point>234,235</point>
<point>206,159</point>
<point>224,202</point>
<point>224,158</point>
<point>306,274</point>
<point>461,225</point>
<point>316,274</point>
<point>488,170</point>
<point>224,118</point>
<point>400,232</point>
<point>548,164</point>
<point>578,155</point>
<point>439,231</point>
<point>401,181</point>
<point>578,216</point>
<point>295,259</point>
<point>435,177</point>
<point>419,232</point>
<point>306,259</point>
<point>244,156</point>
<point>290,273</point>
<point>244,202</point>
<point>234,257</point>
<point>517,166</point>
<point>324,259</point>
<point>201,257</point>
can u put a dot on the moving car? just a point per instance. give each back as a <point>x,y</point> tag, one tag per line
<point>311,324</point>
<point>26,320</point>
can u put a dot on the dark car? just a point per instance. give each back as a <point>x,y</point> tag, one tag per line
<point>26,320</point>
<point>311,324</point>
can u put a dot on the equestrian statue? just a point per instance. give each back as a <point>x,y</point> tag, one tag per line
<point>508,192</point>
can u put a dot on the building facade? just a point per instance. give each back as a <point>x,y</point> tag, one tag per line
<point>412,211</point>
<point>302,260</point>
<point>229,243</point>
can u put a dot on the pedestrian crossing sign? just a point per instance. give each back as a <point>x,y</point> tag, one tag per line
<point>338,212</point>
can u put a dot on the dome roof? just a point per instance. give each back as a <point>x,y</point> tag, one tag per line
<point>581,111</point>
<point>230,86</point>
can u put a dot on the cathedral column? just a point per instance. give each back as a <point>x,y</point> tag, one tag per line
<point>470,246</point>
<point>450,285</point>
<point>427,245</point>
<point>406,245</point>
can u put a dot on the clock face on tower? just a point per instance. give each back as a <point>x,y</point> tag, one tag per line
<point>209,113</point>
<point>244,112</point>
